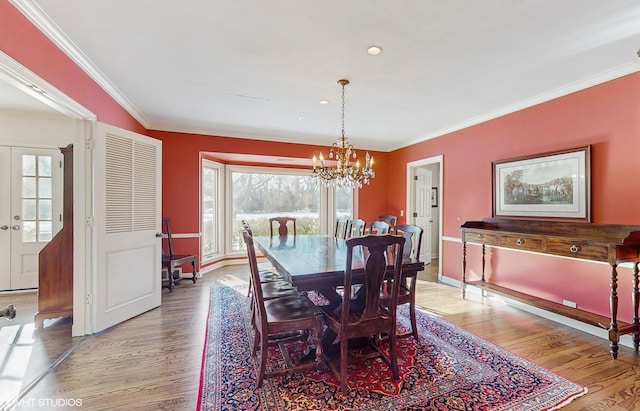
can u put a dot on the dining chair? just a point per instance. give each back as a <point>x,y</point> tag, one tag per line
<point>342,224</point>
<point>268,273</point>
<point>362,314</point>
<point>390,219</point>
<point>378,228</point>
<point>279,321</point>
<point>171,261</point>
<point>283,229</point>
<point>355,228</point>
<point>407,285</point>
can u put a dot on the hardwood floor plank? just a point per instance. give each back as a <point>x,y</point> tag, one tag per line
<point>153,360</point>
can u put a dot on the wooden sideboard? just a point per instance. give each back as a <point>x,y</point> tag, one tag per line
<point>611,243</point>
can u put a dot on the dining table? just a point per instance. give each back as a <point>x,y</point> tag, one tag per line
<point>317,262</point>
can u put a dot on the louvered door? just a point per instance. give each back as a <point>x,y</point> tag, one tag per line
<point>127,218</point>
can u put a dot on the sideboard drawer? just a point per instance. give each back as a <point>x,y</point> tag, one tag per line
<point>482,238</point>
<point>522,242</point>
<point>578,249</point>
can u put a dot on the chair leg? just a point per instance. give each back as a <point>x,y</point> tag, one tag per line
<point>393,354</point>
<point>318,332</point>
<point>412,311</point>
<point>256,341</point>
<point>344,344</point>
<point>263,359</point>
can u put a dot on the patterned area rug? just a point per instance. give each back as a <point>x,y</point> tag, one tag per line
<point>448,369</point>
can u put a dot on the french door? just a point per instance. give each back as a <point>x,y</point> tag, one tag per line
<point>30,211</point>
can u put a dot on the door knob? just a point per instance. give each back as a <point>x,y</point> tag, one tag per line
<point>15,227</point>
<point>4,227</point>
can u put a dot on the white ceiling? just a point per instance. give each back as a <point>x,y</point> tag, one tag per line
<point>255,68</point>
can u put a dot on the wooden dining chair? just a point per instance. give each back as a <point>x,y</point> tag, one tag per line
<point>268,274</point>
<point>378,228</point>
<point>281,320</point>
<point>362,314</point>
<point>355,228</point>
<point>282,228</point>
<point>407,285</point>
<point>342,223</point>
<point>171,261</point>
<point>390,219</point>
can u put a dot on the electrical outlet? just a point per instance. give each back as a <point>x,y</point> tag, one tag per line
<point>569,303</point>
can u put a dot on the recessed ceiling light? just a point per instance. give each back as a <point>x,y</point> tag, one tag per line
<point>374,50</point>
<point>323,101</point>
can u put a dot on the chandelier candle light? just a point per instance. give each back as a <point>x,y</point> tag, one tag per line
<point>343,173</point>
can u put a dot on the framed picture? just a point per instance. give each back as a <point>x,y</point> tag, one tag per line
<point>434,196</point>
<point>548,186</point>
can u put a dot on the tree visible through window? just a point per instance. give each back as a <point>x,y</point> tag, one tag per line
<point>259,196</point>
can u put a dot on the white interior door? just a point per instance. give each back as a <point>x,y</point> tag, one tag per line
<point>128,215</point>
<point>5,218</point>
<point>31,181</point>
<point>422,214</point>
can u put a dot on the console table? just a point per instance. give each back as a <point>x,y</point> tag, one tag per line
<point>611,243</point>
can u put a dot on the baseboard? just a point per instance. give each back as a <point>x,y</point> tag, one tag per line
<point>625,340</point>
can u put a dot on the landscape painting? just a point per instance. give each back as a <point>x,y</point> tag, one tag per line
<point>551,185</point>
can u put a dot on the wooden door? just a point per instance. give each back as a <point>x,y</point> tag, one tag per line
<point>128,217</point>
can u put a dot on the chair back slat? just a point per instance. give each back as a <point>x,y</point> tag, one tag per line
<point>413,235</point>
<point>167,231</point>
<point>390,219</point>
<point>378,228</point>
<point>342,224</point>
<point>355,228</point>
<point>283,230</point>
<point>375,251</point>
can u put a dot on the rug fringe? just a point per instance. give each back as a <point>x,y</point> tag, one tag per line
<point>585,390</point>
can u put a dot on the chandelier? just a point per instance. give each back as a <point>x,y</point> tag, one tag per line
<point>344,173</point>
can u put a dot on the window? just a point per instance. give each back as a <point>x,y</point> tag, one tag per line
<point>212,196</point>
<point>343,202</point>
<point>260,193</point>
<point>37,198</point>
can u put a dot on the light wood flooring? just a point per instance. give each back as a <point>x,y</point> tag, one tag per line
<point>152,362</point>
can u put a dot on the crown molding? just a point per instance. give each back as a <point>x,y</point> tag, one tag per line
<point>567,89</point>
<point>39,18</point>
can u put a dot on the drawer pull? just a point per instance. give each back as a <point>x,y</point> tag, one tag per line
<point>519,241</point>
<point>574,248</point>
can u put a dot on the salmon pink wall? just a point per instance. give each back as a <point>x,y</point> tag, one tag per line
<point>23,42</point>
<point>607,117</point>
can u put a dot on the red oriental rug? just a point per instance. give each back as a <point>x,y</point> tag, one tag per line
<point>448,369</point>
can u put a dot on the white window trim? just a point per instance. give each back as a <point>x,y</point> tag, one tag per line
<point>220,215</point>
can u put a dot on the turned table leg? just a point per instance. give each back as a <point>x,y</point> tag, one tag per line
<point>635,299</point>
<point>613,305</point>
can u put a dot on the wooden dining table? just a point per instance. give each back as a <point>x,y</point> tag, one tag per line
<point>317,262</point>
